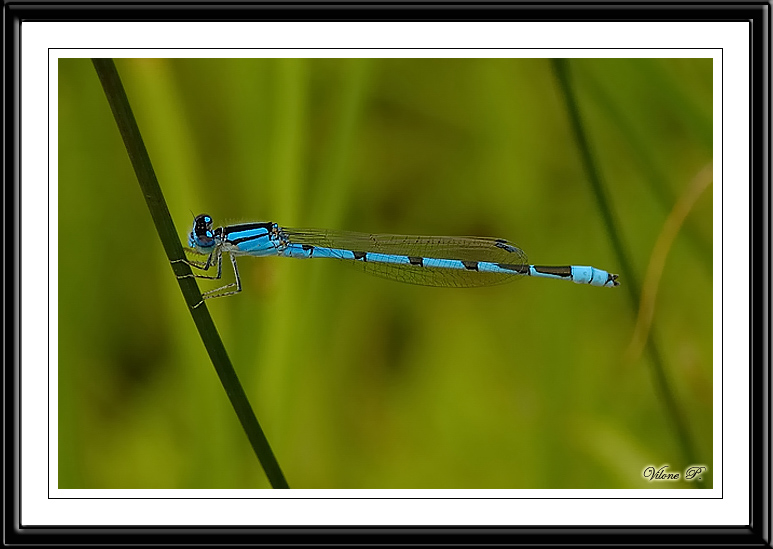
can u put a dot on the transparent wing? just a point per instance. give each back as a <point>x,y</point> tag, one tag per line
<point>494,250</point>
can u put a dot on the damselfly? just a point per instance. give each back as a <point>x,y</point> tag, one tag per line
<point>450,261</point>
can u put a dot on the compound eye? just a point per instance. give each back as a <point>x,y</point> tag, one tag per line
<point>201,223</point>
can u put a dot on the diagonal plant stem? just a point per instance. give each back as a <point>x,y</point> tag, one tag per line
<point>652,175</point>
<point>673,224</point>
<point>658,371</point>
<point>138,154</point>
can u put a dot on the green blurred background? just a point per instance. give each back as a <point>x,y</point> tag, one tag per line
<point>361,382</point>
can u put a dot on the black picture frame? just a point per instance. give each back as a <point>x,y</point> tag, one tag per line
<point>755,533</point>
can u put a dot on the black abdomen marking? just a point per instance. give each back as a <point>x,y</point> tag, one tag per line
<point>470,265</point>
<point>418,261</point>
<point>565,272</point>
<point>360,255</point>
<point>521,269</point>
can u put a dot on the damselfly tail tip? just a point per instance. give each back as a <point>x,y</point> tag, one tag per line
<point>613,279</point>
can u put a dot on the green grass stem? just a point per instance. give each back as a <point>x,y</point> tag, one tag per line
<point>627,278</point>
<point>138,154</point>
<point>653,176</point>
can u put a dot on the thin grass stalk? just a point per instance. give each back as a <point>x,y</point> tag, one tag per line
<point>627,277</point>
<point>655,179</point>
<point>151,190</point>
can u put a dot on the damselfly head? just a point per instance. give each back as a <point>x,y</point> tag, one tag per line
<point>202,238</point>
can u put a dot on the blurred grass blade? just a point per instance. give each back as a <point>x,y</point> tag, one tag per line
<point>627,277</point>
<point>135,147</point>
<point>673,224</point>
<point>655,179</point>
<point>594,178</point>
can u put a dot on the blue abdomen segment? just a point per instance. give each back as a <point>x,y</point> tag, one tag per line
<point>577,274</point>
